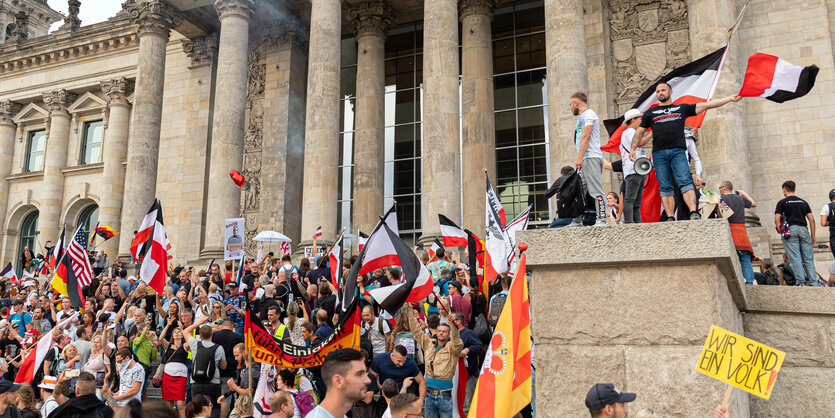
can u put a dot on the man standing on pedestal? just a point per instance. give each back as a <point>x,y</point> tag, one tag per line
<point>589,155</point>
<point>737,202</point>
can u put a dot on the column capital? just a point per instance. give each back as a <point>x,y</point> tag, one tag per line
<point>202,50</point>
<point>117,90</point>
<point>371,18</point>
<point>153,17</point>
<point>58,101</point>
<point>241,8</point>
<point>289,33</point>
<point>8,109</point>
<point>475,7</point>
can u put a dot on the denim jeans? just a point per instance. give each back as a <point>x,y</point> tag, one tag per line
<point>747,268</point>
<point>672,164</point>
<point>800,251</point>
<point>632,199</point>
<point>437,406</point>
<point>560,222</point>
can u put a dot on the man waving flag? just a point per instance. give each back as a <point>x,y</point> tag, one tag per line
<point>74,270</point>
<point>150,246</point>
<point>504,385</point>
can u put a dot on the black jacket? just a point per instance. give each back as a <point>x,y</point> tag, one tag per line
<point>85,406</point>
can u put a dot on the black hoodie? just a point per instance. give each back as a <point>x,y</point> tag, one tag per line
<point>83,406</point>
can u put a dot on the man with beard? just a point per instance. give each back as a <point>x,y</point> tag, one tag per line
<point>346,378</point>
<point>589,155</point>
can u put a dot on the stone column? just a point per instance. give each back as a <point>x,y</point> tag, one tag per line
<point>723,137</point>
<point>227,144</point>
<point>113,154</point>
<point>565,43</point>
<point>154,20</point>
<point>477,111</point>
<point>321,144</point>
<point>371,20</point>
<point>441,179</point>
<point>51,196</point>
<point>8,109</point>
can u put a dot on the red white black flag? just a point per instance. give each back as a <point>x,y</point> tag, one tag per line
<point>362,239</point>
<point>150,246</point>
<point>777,79</point>
<point>335,260</point>
<point>453,235</point>
<point>691,83</point>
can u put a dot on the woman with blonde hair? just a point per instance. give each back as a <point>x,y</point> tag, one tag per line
<point>218,312</point>
<point>98,362</point>
<point>243,406</point>
<point>69,360</point>
<point>294,322</point>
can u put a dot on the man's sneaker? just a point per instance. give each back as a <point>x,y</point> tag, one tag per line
<point>670,219</point>
<point>600,223</point>
<point>574,223</point>
<point>694,216</point>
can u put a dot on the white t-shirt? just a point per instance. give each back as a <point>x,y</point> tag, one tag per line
<point>589,118</point>
<point>320,412</point>
<point>127,378</point>
<point>626,139</point>
<point>825,211</point>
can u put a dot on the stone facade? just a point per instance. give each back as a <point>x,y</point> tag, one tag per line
<point>230,84</point>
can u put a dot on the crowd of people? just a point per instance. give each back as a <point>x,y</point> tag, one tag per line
<point>684,195</point>
<point>188,340</point>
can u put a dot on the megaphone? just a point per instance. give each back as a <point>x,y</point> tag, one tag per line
<point>643,166</point>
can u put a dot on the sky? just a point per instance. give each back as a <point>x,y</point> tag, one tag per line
<point>91,11</point>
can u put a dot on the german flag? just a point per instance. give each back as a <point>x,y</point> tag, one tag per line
<point>268,349</point>
<point>65,282</point>
<point>105,232</point>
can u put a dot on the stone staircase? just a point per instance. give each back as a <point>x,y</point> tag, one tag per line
<point>152,393</point>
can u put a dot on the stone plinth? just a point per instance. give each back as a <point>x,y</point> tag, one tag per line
<point>632,305</point>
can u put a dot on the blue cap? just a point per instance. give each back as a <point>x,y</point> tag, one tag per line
<point>602,394</point>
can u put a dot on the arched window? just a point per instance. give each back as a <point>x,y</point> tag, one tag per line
<point>28,238</point>
<point>9,28</point>
<point>89,217</point>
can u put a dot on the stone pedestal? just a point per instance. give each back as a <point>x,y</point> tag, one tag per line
<point>321,145</point>
<point>632,305</point>
<point>565,43</point>
<point>441,181</point>
<point>51,194</point>
<point>723,137</point>
<point>113,154</point>
<point>8,110</point>
<point>154,20</point>
<point>227,145</point>
<point>477,111</point>
<point>371,20</point>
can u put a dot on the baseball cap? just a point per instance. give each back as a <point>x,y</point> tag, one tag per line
<point>631,114</point>
<point>17,302</point>
<point>7,386</point>
<point>48,382</point>
<point>602,394</point>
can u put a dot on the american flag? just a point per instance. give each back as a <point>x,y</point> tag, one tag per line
<point>80,261</point>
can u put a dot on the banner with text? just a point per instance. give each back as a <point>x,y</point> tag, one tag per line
<point>233,239</point>
<point>741,362</point>
<point>268,349</point>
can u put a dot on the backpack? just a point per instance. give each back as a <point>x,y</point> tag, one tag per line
<point>570,197</point>
<point>496,306</point>
<point>204,364</point>
<point>306,374</point>
<point>304,402</point>
<point>365,341</point>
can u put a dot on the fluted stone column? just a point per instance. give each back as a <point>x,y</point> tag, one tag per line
<point>227,146</point>
<point>371,20</point>
<point>154,20</point>
<point>8,109</point>
<point>723,137</point>
<point>477,110</point>
<point>565,44</point>
<point>51,194</point>
<point>321,143</point>
<point>441,179</point>
<point>113,153</point>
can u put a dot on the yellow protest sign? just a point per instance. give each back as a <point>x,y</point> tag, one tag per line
<point>741,362</point>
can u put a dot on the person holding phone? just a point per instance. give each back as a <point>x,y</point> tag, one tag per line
<point>98,363</point>
<point>69,365</point>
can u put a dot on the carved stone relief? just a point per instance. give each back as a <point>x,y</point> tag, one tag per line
<point>649,39</point>
<point>253,136</point>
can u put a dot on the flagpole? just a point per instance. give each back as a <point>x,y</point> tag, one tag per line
<point>731,32</point>
<point>335,241</point>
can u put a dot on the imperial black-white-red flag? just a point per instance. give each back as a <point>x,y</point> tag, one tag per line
<point>776,79</point>
<point>416,282</point>
<point>453,235</point>
<point>379,251</point>
<point>150,246</point>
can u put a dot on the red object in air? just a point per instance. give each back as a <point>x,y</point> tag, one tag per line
<point>523,247</point>
<point>237,177</point>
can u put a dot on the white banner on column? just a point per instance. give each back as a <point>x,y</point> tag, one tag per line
<point>233,239</point>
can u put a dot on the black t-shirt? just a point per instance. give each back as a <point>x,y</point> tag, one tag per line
<point>667,123</point>
<point>794,209</point>
<point>228,339</point>
<point>738,204</point>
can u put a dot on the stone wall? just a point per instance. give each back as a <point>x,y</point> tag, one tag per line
<point>629,306</point>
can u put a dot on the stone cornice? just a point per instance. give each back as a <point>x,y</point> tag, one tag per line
<point>8,110</point>
<point>117,91</point>
<point>57,47</point>
<point>240,8</point>
<point>81,169</point>
<point>371,18</point>
<point>475,7</point>
<point>57,101</point>
<point>154,17</point>
<point>202,50</point>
